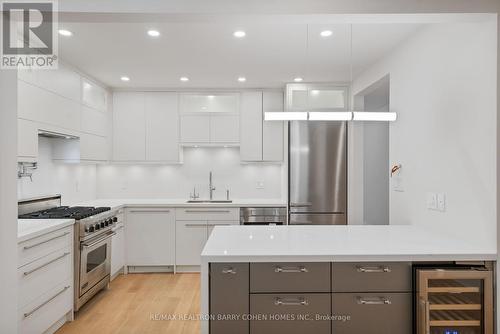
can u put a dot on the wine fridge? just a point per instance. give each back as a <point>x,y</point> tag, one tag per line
<point>454,300</point>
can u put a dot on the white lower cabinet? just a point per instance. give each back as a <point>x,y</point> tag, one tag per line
<point>118,249</point>
<point>45,281</point>
<point>191,236</point>
<point>150,237</point>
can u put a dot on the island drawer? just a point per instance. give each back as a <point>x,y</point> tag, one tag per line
<point>371,277</point>
<point>290,313</point>
<point>289,277</point>
<point>229,298</point>
<point>207,213</point>
<point>372,313</point>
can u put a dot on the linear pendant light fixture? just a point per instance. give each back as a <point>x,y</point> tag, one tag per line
<point>331,116</point>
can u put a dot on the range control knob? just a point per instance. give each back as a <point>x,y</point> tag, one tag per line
<point>97,226</point>
<point>90,229</point>
<point>102,224</point>
<point>109,221</point>
<point>115,219</point>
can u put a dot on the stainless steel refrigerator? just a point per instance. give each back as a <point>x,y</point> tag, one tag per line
<point>317,173</point>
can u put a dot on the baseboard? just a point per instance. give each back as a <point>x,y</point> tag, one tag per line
<point>59,323</point>
<point>150,269</point>
<point>187,269</point>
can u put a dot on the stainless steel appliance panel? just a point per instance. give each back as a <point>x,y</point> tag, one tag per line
<point>263,216</point>
<point>317,219</point>
<point>95,261</point>
<point>318,167</point>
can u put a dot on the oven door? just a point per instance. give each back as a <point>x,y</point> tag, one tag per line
<point>95,261</point>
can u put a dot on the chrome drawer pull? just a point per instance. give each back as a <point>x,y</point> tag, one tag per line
<point>291,302</point>
<point>45,241</point>
<point>46,302</point>
<point>300,269</point>
<point>220,224</point>
<point>26,273</point>
<point>372,301</point>
<point>195,225</point>
<point>229,271</point>
<point>207,211</point>
<point>149,211</point>
<point>380,269</point>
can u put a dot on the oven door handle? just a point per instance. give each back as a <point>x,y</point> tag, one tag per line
<point>107,236</point>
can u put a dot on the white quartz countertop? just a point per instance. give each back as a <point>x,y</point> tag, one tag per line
<point>338,243</point>
<point>31,228</point>
<point>152,203</point>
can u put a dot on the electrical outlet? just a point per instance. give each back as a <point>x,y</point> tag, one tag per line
<point>441,202</point>
<point>432,202</point>
<point>259,185</point>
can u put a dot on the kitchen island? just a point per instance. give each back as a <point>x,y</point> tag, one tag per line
<point>322,260</point>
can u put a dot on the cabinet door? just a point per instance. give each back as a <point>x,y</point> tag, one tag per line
<point>129,133</point>
<point>195,128</point>
<point>118,250</point>
<point>224,128</point>
<point>209,103</point>
<point>251,126</point>
<point>27,139</point>
<point>272,132</point>
<point>94,148</point>
<point>162,127</point>
<point>93,95</point>
<point>150,237</point>
<point>94,122</point>
<point>307,97</point>
<point>190,240</point>
<point>229,295</point>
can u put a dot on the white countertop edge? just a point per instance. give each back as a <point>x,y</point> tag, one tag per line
<point>349,258</point>
<point>32,228</point>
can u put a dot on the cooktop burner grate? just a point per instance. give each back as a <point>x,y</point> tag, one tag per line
<point>63,212</point>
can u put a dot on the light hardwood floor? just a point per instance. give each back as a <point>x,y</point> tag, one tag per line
<point>128,306</point>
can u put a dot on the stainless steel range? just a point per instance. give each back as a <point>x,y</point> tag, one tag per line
<point>93,232</point>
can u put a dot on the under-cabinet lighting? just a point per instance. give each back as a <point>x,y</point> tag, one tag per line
<point>330,116</point>
<point>374,116</point>
<point>286,116</point>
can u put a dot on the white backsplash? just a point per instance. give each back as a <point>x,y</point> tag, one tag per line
<point>177,181</point>
<point>75,182</point>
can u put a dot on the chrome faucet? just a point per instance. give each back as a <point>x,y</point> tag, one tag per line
<point>211,187</point>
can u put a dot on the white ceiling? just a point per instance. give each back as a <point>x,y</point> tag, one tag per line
<point>270,55</point>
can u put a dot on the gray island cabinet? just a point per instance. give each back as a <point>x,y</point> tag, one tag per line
<point>310,297</point>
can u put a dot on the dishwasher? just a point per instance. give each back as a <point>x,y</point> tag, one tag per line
<point>263,216</point>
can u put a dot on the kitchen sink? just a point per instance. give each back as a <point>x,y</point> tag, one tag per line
<point>209,201</point>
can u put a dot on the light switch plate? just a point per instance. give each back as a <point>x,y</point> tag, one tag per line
<point>441,202</point>
<point>432,202</point>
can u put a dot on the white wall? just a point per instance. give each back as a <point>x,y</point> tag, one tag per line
<point>177,181</point>
<point>8,205</point>
<point>443,86</point>
<point>75,182</point>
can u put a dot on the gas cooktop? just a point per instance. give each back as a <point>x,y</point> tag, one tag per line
<point>62,212</point>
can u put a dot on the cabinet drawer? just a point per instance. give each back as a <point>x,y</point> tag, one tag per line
<point>290,277</point>
<point>43,312</point>
<point>229,296</point>
<point>44,274</point>
<point>36,248</point>
<point>371,313</point>
<point>290,313</point>
<point>207,213</point>
<point>368,277</point>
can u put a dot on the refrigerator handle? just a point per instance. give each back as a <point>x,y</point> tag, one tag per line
<point>298,205</point>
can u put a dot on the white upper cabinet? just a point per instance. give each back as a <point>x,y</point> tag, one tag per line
<point>94,122</point>
<point>272,132</point>
<point>93,95</point>
<point>145,127</point>
<point>317,97</point>
<point>251,126</point>
<point>210,118</point>
<point>27,140</point>
<point>129,130</point>
<point>162,127</point>
<point>261,140</point>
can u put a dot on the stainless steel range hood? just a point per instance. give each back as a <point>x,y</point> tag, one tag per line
<point>50,134</point>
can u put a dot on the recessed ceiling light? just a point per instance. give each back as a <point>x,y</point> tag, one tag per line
<point>326,33</point>
<point>298,79</point>
<point>239,34</point>
<point>184,79</point>
<point>153,33</point>
<point>125,78</point>
<point>64,32</point>
<point>242,79</point>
